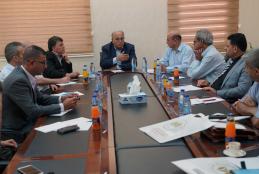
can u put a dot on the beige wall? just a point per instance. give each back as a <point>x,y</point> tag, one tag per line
<point>248,20</point>
<point>143,21</point>
<point>145,25</point>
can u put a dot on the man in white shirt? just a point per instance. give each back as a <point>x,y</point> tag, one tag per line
<point>178,54</point>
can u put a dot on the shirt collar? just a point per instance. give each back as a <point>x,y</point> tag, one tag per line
<point>207,50</point>
<point>179,49</point>
<point>9,66</point>
<point>31,78</point>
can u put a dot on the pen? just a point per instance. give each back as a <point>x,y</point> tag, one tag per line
<point>207,100</point>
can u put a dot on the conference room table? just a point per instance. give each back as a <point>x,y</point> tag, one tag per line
<point>120,147</point>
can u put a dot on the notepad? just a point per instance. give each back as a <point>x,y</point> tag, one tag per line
<point>67,93</point>
<point>83,123</point>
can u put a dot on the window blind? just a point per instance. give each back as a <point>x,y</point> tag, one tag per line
<point>188,16</point>
<point>35,21</point>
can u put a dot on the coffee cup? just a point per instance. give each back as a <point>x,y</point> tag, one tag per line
<point>233,146</point>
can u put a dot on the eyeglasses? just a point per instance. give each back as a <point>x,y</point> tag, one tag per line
<point>41,62</point>
<point>119,38</point>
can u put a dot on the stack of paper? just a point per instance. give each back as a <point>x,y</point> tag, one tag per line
<point>215,165</point>
<point>186,88</point>
<point>197,101</point>
<point>177,128</point>
<point>83,123</point>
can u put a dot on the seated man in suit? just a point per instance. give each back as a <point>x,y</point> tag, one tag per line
<point>58,64</point>
<point>208,63</point>
<point>178,54</point>
<point>117,54</point>
<point>234,82</point>
<point>14,57</point>
<point>249,104</point>
<point>23,103</point>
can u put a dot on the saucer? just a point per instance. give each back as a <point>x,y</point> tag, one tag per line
<point>237,153</point>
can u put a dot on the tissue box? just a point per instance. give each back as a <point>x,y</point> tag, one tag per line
<point>140,97</point>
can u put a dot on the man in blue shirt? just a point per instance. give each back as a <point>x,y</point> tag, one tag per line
<point>248,105</point>
<point>177,54</point>
<point>208,63</point>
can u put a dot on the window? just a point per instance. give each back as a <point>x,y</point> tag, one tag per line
<point>188,16</point>
<point>35,21</point>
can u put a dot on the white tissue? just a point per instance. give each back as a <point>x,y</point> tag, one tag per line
<point>134,87</point>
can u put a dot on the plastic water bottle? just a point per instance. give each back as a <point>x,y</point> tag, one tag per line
<point>230,131</point>
<point>133,64</point>
<point>85,74</point>
<point>94,100</point>
<point>92,70</point>
<point>176,76</point>
<point>144,65</point>
<point>158,73</point>
<point>170,92</point>
<point>187,108</point>
<point>181,102</point>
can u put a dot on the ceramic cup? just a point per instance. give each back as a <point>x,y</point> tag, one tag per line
<point>233,146</point>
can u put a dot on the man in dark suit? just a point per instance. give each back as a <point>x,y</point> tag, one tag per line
<point>117,54</point>
<point>57,60</point>
<point>234,82</point>
<point>22,101</point>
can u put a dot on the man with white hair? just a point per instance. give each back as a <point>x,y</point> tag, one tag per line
<point>208,63</point>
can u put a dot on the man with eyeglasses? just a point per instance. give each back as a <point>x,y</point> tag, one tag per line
<point>22,101</point>
<point>117,54</point>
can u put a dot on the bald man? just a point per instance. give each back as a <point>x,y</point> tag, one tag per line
<point>177,54</point>
<point>117,54</point>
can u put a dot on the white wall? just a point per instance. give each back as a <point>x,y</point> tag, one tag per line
<point>145,25</point>
<point>143,21</point>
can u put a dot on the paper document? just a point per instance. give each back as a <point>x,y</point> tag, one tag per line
<point>116,71</point>
<point>68,93</point>
<point>180,77</point>
<point>83,123</point>
<point>61,114</point>
<point>186,88</point>
<point>218,165</point>
<point>177,128</point>
<point>150,71</point>
<point>197,101</point>
<point>68,83</point>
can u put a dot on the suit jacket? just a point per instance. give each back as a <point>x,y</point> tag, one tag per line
<point>54,68</point>
<point>109,52</point>
<point>22,105</point>
<point>236,83</point>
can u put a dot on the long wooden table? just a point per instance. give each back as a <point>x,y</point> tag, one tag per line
<point>102,151</point>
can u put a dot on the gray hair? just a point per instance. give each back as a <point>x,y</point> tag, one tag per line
<point>204,36</point>
<point>252,58</point>
<point>11,50</point>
